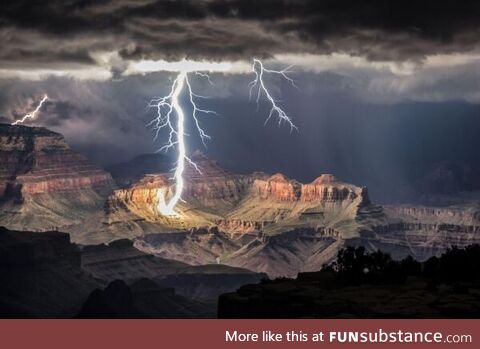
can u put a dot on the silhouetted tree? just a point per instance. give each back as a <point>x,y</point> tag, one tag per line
<point>460,264</point>
<point>411,267</point>
<point>355,266</point>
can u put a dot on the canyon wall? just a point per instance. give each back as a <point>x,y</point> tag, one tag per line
<point>43,183</point>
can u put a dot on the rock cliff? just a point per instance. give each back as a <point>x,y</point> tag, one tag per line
<point>213,196</point>
<point>43,183</point>
<point>424,231</point>
<point>269,224</point>
<point>280,226</point>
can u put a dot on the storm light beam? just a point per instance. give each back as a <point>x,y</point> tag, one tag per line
<point>170,116</point>
<point>31,115</point>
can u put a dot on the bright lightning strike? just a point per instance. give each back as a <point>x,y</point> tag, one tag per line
<point>33,114</point>
<point>168,107</point>
<point>258,84</point>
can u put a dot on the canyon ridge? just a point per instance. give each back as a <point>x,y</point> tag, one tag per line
<point>260,222</point>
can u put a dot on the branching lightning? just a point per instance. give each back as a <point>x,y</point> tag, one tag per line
<point>258,84</point>
<point>33,114</point>
<point>170,116</point>
<point>167,107</point>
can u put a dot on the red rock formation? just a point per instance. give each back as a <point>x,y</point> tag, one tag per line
<point>244,206</point>
<point>211,187</point>
<point>277,187</point>
<point>327,188</point>
<point>239,225</point>
<point>143,193</point>
<point>38,161</point>
<point>216,196</point>
<point>212,182</point>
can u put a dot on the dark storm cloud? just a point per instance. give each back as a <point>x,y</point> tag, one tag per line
<point>358,110</point>
<point>92,115</point>
<point>40,32</point>
<point>106,120</point>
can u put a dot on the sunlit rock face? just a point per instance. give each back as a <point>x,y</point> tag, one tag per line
<point>266,223</point>
<point>269,224</point>
<point>277,188</point>
<point>279,226</point>
<point>43,183</point>
<point>214,196</point>
<point>327,188</point>
<point>142,197</point>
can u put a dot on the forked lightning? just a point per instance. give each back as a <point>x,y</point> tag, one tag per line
<point>170,116</point>
<point>33,114</point>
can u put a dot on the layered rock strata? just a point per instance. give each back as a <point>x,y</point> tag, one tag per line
<point>43,183</point>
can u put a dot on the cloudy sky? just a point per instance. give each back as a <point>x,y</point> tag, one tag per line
<point>387,89</point>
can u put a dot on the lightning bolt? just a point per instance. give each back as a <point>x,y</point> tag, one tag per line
<point>33,114</point>
<point>168,107</point>
<point>258,84</point>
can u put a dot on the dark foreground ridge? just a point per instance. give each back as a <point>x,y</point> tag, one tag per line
<point>44,275</point>
<point>361,285</point>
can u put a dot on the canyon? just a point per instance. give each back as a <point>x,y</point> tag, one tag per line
<point>265,223</point>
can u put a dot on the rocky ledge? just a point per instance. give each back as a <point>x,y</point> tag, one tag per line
<point>213,196</point>
<point>43,183</point>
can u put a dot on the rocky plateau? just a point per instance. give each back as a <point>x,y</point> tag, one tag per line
<point>265,223</point>
<point>44,185</point>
